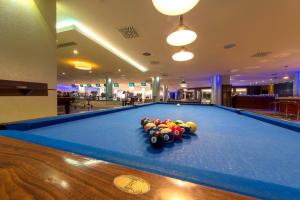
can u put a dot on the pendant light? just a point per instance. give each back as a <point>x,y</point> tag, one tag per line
<point>183,55</point>
<point>174,7</point>
<point>182,36</point>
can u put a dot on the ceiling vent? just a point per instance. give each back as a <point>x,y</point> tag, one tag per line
<point>129,32</point>
<point>229,46</point>
<point>67,44</point>
<point>260,54</point>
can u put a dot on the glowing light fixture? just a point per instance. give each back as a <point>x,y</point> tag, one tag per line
<point>182,36</point>
<point>75,25</point>
<point>174,7</point>
<point>75,51</point>
<point>183,84</point>
<point>286,77</point>
<point>82,65</point>
<point>183,55</point>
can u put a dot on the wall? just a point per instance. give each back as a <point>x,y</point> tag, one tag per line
<point>27,53</point>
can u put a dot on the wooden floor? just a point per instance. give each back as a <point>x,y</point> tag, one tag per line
<point>33,172</point>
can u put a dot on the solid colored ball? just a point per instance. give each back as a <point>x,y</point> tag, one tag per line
<point>179,122</point>
<point>162,126</point>
<point>193,126</point>
<point>156,121</point>
<point>177,131</point>
<point>171,124</point>
<point>146,122</point>
<point>186,129</point>
<point>156,140</point>
<point>143,120</point>
<point>148,126</point>
<point>167,121</point>
<point>168,135</point>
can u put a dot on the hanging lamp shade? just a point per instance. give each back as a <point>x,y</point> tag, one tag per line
<point>183,55</point>
<point>174,7</point>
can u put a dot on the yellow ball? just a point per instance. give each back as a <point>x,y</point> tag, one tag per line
<point>147,126</point>
<point>193,126</point>
<point>171,124</point>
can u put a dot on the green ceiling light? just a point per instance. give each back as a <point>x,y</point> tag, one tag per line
<point>68,25</point>
<point>174,7</point>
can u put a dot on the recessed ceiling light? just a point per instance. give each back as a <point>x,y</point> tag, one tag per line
<point>174,7</point>
<point>75,51</point>
<point>229,46</point>
<point>83,65</point>
<point>146,54</point>
<point>183,55</point>
<point>286,77</point>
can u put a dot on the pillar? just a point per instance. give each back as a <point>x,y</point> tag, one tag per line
<point>296,85</point>
<point>165,93</point>
<point>156,89</point>
<point>221,90</point>
<point>108,89</point>
<point>216,89</point>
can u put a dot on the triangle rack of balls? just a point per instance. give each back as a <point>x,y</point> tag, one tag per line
<point>167,131</point>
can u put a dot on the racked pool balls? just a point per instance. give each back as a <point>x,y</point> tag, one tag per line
<point>148,126</point>
<point>177,131</point>
<point>156,121</point>
<point>168,135</point>
<point>156,140</point>
<point>186,129</point>
<point>143,120</point>
<point>193,126</point>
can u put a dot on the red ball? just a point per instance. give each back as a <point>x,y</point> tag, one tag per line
<point>143,120</point>
<point>177,131</point>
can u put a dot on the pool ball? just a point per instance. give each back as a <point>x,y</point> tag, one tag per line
<point>156,121</point>
<point>171,124</point>
<point>167,121</point>
<point>156,140</point>
<point>162,126</point>
<point>193,126</point>
<point>148,126</point>
<point>146,122</point>
<point>177,131</point>
<point>143,120</point>
<point>179,122</point>
<point>168,135</point>
<point>178,104</point>
<point>152,130</point>
<point>186,129</point>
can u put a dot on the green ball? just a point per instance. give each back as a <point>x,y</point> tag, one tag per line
<point>146,122</point>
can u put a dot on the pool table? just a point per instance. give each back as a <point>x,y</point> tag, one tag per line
<point>234,150</point>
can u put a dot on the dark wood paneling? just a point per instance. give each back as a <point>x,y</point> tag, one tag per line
<point>29,171</point>
<point>21,88</point>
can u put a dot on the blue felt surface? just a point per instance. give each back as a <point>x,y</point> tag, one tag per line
<point>230,151</point>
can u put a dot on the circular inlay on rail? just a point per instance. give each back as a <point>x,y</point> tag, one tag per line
<point>132,184</point>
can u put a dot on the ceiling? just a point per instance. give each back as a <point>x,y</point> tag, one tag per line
<point>253,25</point>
